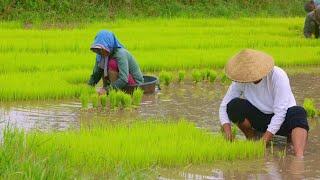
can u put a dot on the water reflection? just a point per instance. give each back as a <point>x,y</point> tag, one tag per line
<point>197,103</point>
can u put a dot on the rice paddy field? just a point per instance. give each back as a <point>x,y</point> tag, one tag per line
<point>53,127</point>
<point>56,63</point>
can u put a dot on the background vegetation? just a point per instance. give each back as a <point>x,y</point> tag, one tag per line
<point>93,10</point>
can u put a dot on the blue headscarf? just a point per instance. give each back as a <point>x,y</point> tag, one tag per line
<point>108,41</point>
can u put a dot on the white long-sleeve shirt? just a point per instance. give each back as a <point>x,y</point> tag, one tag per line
<point>271,95</point>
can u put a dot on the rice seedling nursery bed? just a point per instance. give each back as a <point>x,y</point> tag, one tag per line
<point>55,64</point>
<point>103,149</point>
<point>42,63</point>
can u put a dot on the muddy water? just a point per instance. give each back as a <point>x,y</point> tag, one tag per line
<point>197,103</point>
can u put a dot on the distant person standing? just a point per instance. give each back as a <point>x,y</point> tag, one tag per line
<point>311,5</point>
<point>312,23</point>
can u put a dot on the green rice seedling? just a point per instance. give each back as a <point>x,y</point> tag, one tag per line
<point>165,78</point>
<point>114,100</point>
<point>126,101</point>
<point>234,130</point>
<point>67,64</point>
<point>84,101</point>
<point>309,106</point>
<point>137,146</point>
<point>224,78</point>
<point>203,74</point>
<point>213,76</point>
<point>181,76</point>
<point>95,100</point>
<point>271,147</point>
<point>137,96</point>
<point>103,100</point>
<point>196,76</point>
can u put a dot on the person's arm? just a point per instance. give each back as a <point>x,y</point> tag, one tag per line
<point>281,94</point>
<point>96,75</point>
<point>234,91</point>
<point>308,26</point>
<point>122,80</point>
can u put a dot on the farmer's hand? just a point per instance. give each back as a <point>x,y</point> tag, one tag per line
<point>227,131</point>
<point>101,91</point>
<point>267,136</point>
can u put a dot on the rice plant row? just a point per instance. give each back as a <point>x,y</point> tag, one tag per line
<point>55,64</point>
<point>108,149</point>
<point>116,99</point>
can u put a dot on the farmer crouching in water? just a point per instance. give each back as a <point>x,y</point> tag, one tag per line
<point>260,100</point>
<point>114,64</point>
<point>312,23</point>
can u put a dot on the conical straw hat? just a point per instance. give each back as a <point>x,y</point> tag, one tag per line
<point>249,66</point>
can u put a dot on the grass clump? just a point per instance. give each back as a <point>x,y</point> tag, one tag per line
<point>119,99</point>
<point>309,106</point>
<point>196,76</point>
<point>103,100</point>
<point>181,76</point>
<point>165,78</point>
<point>106,148</point>
<point>224,78</point>
<point>137,96</point>
<point>212,76</point>
<point>84,101</point>
<point>95,100</point>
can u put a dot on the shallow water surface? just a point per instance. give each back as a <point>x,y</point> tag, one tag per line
<point>198,103</point>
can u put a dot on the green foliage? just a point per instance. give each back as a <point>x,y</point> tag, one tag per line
<point>126,100</point>
<point>234,130</point>
<point>114,101</point>
<point>41,64</point>
<point>196,76</point>
<point>86,10</point>
<point>181,76</point>
<point>19,161</point>
<point>224,78</point>
<point>119,99</point>
<point>165,78</point>
<point>103,100</point>
<point>137,96</point>
<point>213,76</point>
<point>84,100</point>
<point>309,106</point>
<point>113,149</point>
<point>204,74</point>
<point>95,100</point>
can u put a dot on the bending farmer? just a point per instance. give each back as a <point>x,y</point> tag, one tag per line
<point>114,64</point>
<point>260,99</point>
<point>312,23</point>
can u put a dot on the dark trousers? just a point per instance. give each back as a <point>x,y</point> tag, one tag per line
<point>240,109</point>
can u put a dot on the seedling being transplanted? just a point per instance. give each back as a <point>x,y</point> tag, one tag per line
<point>212,76</point>
<point>95,100</point>
<point>103,100</point>
<point>165,78</point>
<point>234,130</point>
<point>137,96</point>
<point>309,106</point>
<point>84,101</point>
<point>181,76</point>
<point>196,76</point>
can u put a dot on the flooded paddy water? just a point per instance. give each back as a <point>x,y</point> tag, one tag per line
<point>198,103</point>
